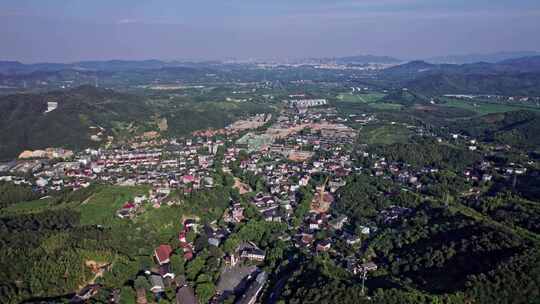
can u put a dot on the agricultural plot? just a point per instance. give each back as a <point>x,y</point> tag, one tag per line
<point>386,106</point>
<point>384,135</point>
<point>363,98</point>
<point>373,100</point>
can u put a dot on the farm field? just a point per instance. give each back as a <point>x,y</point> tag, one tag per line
<point>386,106</point>
<point>363,98</point>
<point>384,135</point>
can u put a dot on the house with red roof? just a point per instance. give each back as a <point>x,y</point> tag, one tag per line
<point>128,205</point>
<point>163,254</point>
<point>186,179</point>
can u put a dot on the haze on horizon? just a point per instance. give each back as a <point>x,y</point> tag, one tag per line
<point>73,30</point>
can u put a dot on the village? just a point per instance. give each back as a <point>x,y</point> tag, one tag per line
<point>297,163</point>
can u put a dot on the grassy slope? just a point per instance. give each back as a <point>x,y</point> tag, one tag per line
<point>124,243</point>
<point>365,98</point>
<point>384,134</point>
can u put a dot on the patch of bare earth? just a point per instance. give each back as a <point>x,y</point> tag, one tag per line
<point>242,187</point>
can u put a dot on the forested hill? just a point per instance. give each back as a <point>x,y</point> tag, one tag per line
<point>417,68</point>
<point>519,128</point>
<point>510,77</point>
<point>24,123</point>
<point>87,112</point>
<point>527,84</point>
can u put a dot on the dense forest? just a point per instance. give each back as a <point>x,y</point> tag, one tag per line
<point>11,194</point>
<point>422,152</point>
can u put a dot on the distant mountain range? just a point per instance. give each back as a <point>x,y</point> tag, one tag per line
<point>490,58</point>
<point>520,76</point>
<point>514,76</point>
<point>15,67</point>
<point>517,65</point>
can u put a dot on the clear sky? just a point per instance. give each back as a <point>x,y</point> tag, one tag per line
<point>71,30</point>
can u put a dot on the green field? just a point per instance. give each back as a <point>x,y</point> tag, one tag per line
<point>363,98</point>
<point>384,134</point>
<point>373,100</point>
<point>101,207</point>
<point>386,106</point>
<point>483,108</point>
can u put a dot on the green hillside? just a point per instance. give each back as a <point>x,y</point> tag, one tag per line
<point>58,235</point>
<point>405,97</point>
<point>519,128</point>
<point>80,113</point>
<point>87,111</point>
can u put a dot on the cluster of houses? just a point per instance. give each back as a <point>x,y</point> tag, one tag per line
<point>162,276</point>
<point>481,172</point>
<point>303,147</point>
<point>306,103</point>
<point>327,153</point>
<point>155,198</point>
<point>187,166</point>
<point>50,153</point>
<point>324,141</point>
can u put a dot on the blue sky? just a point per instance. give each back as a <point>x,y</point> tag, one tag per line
<point>70,30</point>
